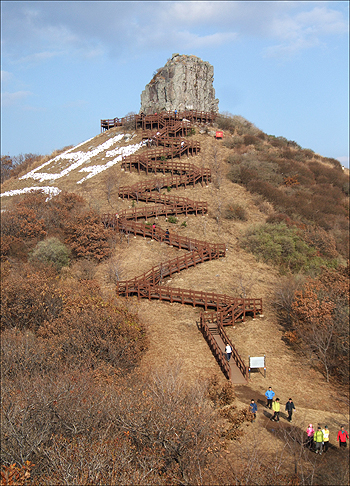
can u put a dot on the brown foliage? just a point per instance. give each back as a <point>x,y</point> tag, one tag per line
<point>321,321</point>
<point>70,326</point>
<point>16,476</point>
<point>161,430</point>
<point>20,225</point>
<point>321,240</point>
<point>291,181</point>
<point>87,237</point>
<point>33,217</point>
<point>29,299</point>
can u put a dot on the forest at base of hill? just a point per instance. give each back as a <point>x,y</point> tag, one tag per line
<point>72,399</point>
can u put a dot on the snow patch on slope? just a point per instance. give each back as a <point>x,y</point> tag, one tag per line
<point>51,191</point>
<point>72,159</point>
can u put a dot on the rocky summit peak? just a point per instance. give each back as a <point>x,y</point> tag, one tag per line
<point>184,83</point>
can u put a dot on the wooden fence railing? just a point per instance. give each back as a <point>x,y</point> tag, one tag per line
<point>219,355</point>
<point>225,310</point>
<point>158,234</point>
<point>202,176</point>
<point>159,120</point>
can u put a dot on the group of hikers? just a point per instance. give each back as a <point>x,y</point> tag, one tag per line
<point>317,440</point>
<point>273,405</point>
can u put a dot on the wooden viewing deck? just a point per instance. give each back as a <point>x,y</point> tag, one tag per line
<point>219,310</point>
<point>159,120</point>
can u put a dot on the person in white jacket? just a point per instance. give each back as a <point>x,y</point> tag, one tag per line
<point>228,351</point>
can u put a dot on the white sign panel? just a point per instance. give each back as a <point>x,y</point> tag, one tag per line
<point>257,362</point>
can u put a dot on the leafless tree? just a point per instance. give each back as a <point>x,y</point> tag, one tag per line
<point>115,270</point>
<point>111,184</point>
<point>243,284</point>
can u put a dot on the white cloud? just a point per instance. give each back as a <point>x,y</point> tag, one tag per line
<point>9,99</point>
<point>6,77</point>
<point>322,20</point>
<point>37,57</point>
<point>304,30</point>
<point>187,40</point>
<point>90,29</point>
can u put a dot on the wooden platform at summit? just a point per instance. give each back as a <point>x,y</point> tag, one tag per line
<point>169,146</point>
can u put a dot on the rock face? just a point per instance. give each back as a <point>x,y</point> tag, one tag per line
<point>184,83</point>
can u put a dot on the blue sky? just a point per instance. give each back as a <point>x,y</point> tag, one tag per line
<point>284,66</point>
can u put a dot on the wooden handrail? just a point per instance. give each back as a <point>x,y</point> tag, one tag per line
<point>160,119</point>
<point>225,309</point>
<point>144,287</point>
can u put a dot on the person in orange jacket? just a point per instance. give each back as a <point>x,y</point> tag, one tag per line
<point>342,436</point>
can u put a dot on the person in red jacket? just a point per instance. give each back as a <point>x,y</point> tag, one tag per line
<point>342,436</point>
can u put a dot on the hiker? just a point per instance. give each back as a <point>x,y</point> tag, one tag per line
<point>228,351</point>
<point>153,228</point>
<point>342,436</point>
<point>269,395</point>
<point>310,436</point>
<point>318,440</point>
<point>253,409</point>
<point>276,407</point>
<point>289,408</point>
<point>325,438</point>
<point>167,235</point>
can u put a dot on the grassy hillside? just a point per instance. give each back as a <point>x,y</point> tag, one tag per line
<point>282,212</point>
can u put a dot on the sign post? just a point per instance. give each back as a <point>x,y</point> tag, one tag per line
<point>257,362</point>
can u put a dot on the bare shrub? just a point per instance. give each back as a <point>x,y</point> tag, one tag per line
<point>237,124</point>
<point>234,159</point>
<point>243,284</point>
<point>84,269</point>
<point>233,142</point>
<point>250,140</point>
<point>236,211</point>
<point>129,121</point>
<point>115,270</point>
<point>283,298</point>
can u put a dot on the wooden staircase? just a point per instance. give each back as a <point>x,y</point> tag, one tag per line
<point>219,310</point>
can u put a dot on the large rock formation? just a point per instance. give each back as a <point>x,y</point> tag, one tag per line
<point>184,83</point>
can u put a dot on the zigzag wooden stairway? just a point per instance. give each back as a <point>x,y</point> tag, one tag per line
<point>219,310</point>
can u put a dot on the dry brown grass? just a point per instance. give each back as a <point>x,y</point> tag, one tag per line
<point>173,330</point>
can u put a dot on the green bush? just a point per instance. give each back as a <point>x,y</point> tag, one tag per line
<point>51,251</point>
<point>184,224</point>
<point>277,244</point>
<point>172,219</point>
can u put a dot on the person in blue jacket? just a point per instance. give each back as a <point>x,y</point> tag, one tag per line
<point>269,395</point>
<point>253,409</point>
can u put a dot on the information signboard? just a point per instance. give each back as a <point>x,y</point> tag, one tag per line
<point>257,362</point>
